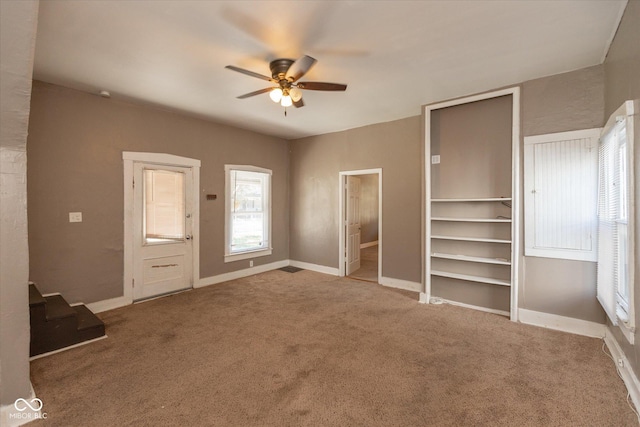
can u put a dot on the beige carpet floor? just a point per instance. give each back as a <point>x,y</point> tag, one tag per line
<point>306,349</point>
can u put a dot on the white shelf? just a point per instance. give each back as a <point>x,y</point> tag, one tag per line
<point>470,219</point>
<point>471,278</point>
<point>472,258</point>
<point>490,199</point>
<point>471,239</point>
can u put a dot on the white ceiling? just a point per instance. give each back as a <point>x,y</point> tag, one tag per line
<point>395,55</point>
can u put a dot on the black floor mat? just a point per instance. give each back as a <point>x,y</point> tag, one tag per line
<point>290,269</point>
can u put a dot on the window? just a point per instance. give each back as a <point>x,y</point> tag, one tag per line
<point>615,245</point>
<point>248,212</point>
<point>561,187</point>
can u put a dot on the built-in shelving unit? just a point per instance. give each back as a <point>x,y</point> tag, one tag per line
<point>496,213</point>
<point>472,182</point>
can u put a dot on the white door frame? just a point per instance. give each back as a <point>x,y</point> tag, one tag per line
<point>161,159</point>
<point>342,216</point>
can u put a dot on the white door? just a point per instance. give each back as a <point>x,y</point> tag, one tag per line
<point>353,224</point>
<point>162,226</point>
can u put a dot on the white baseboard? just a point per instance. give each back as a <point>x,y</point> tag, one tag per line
<point>401,284</point>
<point>474,307</point>
<point>109,304</point>
<point>368,244</point>
<point>11,417</point>
<point>628,376</point>
<point>424,298</point>
<point>562,323</point>
<point>52,294</point>
<point>225,277</point>
<point>60,350</point>
<point>315,267</point>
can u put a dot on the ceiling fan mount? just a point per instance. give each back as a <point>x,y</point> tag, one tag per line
<point>279,68</point>
<point>285,74</point>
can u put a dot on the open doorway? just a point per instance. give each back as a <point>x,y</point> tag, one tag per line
<point>361,219</point>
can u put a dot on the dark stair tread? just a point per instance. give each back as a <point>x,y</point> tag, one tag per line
<point>58,308</point>
<point>35,297</point>
<point>86,319</point>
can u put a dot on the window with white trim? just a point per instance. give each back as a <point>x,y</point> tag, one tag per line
<point>615,245</point>
<point>248,212</point>
<point>561,187</point>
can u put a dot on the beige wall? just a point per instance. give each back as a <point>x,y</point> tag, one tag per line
<point>76,141</point>
<point>396,147</point>
<point>564,102</point>
<point>622,82</point>
<point>369,208</point>
<point>18,22</point>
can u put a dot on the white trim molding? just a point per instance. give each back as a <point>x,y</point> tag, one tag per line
<point>624,368</point>
<point>562,323</point>
<point>60,350</point>
<point>109,304</point>
<point>315,267</point>
<point>239,274</point>
<point>474,307</point>
<point>401,284</point>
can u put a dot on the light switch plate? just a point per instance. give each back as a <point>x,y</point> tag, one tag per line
<point>435,159</point>
<point>75,216</point>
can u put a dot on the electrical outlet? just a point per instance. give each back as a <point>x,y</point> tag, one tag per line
<point>435,160</point>
<point>251,263</point>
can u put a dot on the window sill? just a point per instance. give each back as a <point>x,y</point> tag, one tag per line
<point>247,255</point>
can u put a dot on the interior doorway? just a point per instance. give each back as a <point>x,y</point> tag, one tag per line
<point>361,224</point>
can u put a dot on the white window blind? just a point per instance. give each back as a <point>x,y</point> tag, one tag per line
<point>615,275</point>
<point>561,181</point>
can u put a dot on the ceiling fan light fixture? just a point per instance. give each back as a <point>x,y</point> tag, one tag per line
<point>295,93</point>
<point>286,101</point>
<point>276,94</point>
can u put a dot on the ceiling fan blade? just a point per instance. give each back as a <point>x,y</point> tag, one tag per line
<point>299,103</point>
<point>249,73</point>
<point>322,86</point>
<point>257,92</point>
<point>300,68</point>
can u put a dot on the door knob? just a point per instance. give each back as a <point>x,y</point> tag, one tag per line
<point>188,237</point>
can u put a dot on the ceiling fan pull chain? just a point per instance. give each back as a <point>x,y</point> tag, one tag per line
<point>285,111</point>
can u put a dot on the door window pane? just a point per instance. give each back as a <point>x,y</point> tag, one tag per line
<point>164,208</point>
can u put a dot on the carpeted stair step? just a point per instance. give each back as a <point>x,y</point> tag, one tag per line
<point>55,324</point>
<point>36,305</point>
<point>89,326</point>
<point>58,308</point>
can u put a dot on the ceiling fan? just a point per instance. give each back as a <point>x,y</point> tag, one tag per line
<point>285,74</point>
